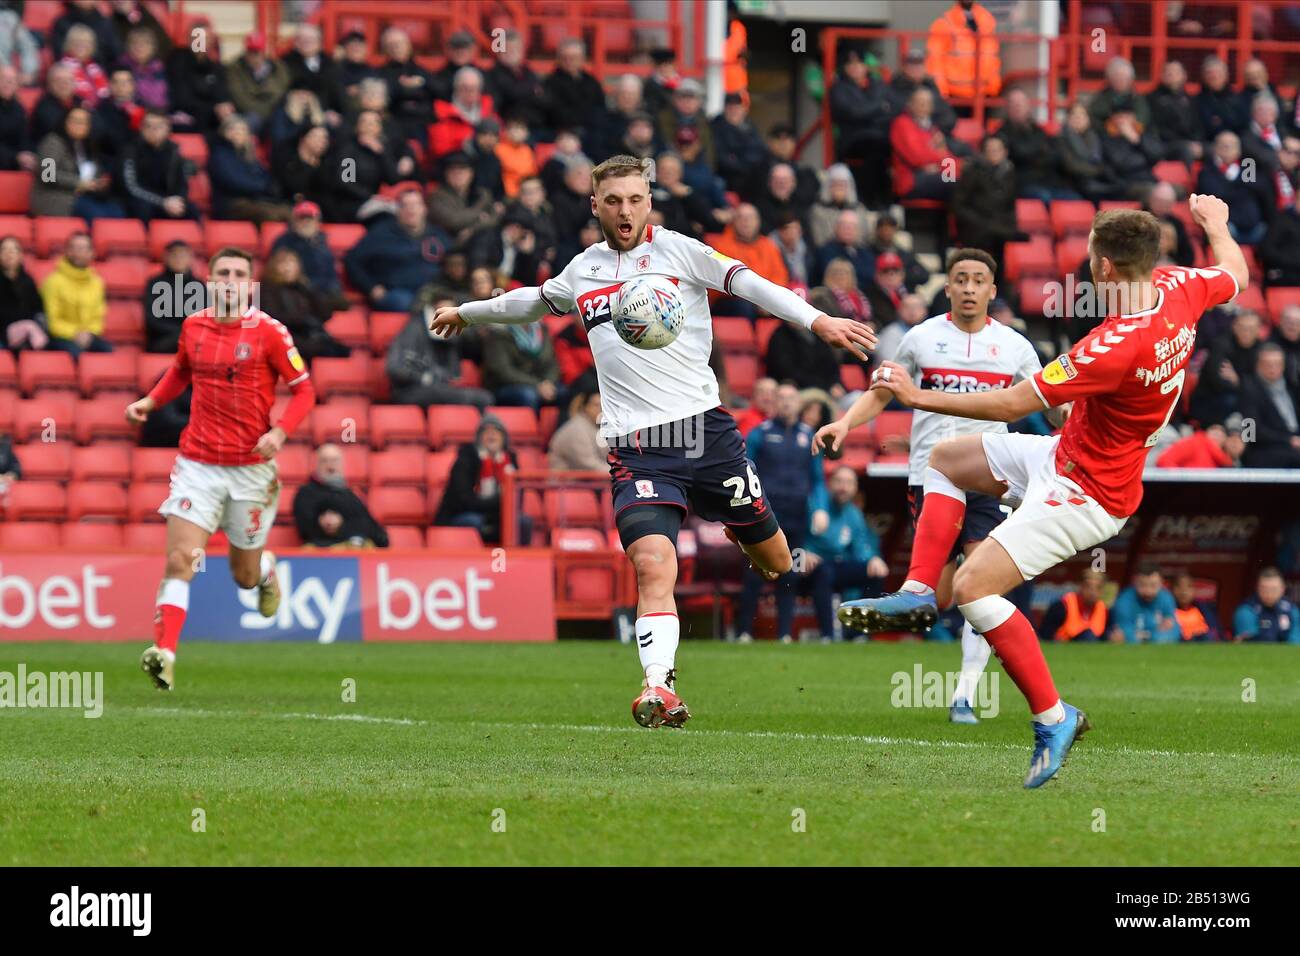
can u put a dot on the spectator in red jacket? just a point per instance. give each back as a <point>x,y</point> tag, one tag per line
<point>762,406</point>
<point>455,119</point>
<point>1216,447</point>
<point>922,164</point>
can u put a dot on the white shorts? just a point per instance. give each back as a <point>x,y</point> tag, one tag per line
<point>239,499</point>
<point>1055,520</point>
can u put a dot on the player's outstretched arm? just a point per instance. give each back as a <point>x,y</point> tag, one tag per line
<point>830,438</point>
<point>517,307</point>
<point>781,302</point>
<point>1000,405</point>
<point>174,381</point>
<point>1211,214</point>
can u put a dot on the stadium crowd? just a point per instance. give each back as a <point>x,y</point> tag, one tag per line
<point>393,188</point>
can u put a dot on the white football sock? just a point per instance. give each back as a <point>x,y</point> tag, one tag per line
<point>267,565</point>
<point>917,587</point>
<point>175,592</point>
<point>1053,715</point>
<point>974,657</point>
<point>657,636</point>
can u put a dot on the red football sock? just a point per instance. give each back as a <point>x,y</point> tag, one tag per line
<point>167,624</point>
<point>936,532</point>
<point>1017,647</point>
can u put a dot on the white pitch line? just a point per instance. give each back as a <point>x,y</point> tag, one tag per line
<point>749,734</point>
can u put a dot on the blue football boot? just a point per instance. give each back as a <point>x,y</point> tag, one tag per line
<point>961,712</point>
<point>1052,742</point>
<point>900,611</point>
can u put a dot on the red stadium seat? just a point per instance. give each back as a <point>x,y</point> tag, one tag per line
<point>102,463</point>
<point>532,459</point>
<point>397,425</point>
<point>341,237</point>
<point>46,461</point>
<point>46,372</point>
<point>270,232</point>
<point>350,328</point>
<point>144,499</point>
<point>1070,254</point>
<point>764,329</point>
<point>283,535</point>
<point>20,227</point>
<point>45,419</point>
<point>1033,296</point>
<point>51,232</point>
<point>1031,217</point>
<point>969,131</point>
<point>742,373</point>
<point>399,506</point>
<point>119,237</point>
<point>440,538</point>
<point>8,370</point>
<point>437,467</point>
<point>124,278</point>
<point>201,192</point>
<point>1072,217</point>
<point>521,425</point>
<point>398,467</point>
<point>15,192</point>
<point>102,420</point>
<point>106,372</point>
<point>384,327</point>
<point>1174,173</point>
<point>1252,265</point>
<point>29,535</point>
<point>295,464</point>
<point>36,501</point>
<point>91,535</point>
<point>163,231</point>
<point>451,425</point>
<point>140,536</point>
<point>853,377</point>
<point>149,367</point>
<point>345,421</point>
<point>892,424</point>
<point>573,507</point>
<point>1029,259</point>
<point>100,500</point>
<point>1251,298</point>
<point>735,336</point>
<point>356,463</point>
<point>407,538</point>
<point>470,375</point>
<point>124,319</point>
<point>1279,297</point>
<point>241,235</point>
<point>548,419</point>
<point>1118,204</point>
<point>193,147</point>
<point>152,464</point>
<point>341,376</point>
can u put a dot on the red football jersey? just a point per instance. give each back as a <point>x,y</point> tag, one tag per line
<point>233,367</point>
<point>1126,379</point>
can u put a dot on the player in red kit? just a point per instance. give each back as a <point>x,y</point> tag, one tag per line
<point>225,475</point>
<point>1079,488</point>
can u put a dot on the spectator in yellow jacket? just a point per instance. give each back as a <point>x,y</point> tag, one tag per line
<point>74,300</point>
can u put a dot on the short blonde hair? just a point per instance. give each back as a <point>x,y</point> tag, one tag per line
<point>622,165</point>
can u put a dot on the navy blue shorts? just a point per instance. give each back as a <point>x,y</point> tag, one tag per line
<point>698,463</point>
<point>983,514</point>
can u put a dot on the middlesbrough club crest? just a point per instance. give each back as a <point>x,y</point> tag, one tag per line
<point>646,489</point>
<point>643,264</point>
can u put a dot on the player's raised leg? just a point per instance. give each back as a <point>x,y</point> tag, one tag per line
<point>658,630</point>
<point>956,467</point>
<point>186,542</point>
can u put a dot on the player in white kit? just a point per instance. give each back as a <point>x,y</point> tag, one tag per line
<point>960,351</point>
<point>672,445</point>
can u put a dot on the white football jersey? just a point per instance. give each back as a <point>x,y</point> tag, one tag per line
<point>940,355</point>
<point>642,388</point>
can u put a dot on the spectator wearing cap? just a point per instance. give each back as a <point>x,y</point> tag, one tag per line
<point>304,172</point>
<point>1221,110</point>
<point>683,210</point>
<point>153,184</point>
<point>1249,197</point>
<point>310,69</point>
<point>288,295</point>
<point>1033,152</point>
<point>1215,447</point>
<point>518,160</point>
<point>923,166</point>
<point>366,156</point>
<point>885,238</point>
<point>847,242</point>
<point>779,201</point>
<point>410,87</point>
<point>887,291</point>
<point>795,251</point>
<point>861,109</point>
<point>1274,407</point>
<point>839,193</point>
<point>572,93</point>
<point>472,498</point>
<point>663,79</point>
<point>423,367</point>
<point>687,110</point>
<point>984,202</point>
<point>257,82</point>
<point>197,87</point>
<point>743,239</point>
<point>695,171</point>
<point>911,76</point>
<point>461,50</point>
<point>1174,117</point>
<point>482,152</point>
<point>516,89</point>
<point>459,207</point>
<point>353,66</point>
<point>605,134</point>
<point>397,256</point>
<point>305,237</point>
<point>737,142</point>
<point>454,119</point>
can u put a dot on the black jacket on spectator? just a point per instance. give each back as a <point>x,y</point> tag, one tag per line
<point>984,204</point>
<point>315,498</point>
<point>163,313</point>
<point>807,185</point>
<point>863,113</point>
<point>1131,163</point>
<point>147,176</point>
<point>1279,253</point>
<point>163,427</point>
<point>573,102</point>
<point>14,138</point>
<point>1083,162</point>
<point>460,496</point>
<point>518,93</point>
<point>235,177</point>
<point>107,49</point>
<point>111,129</point>
<point>487,170</point>
<point>303,310</point>
<point>48,115</point>
<point>1184,255</point>
<point>863,259</point>
<point>1215,398</point>
<point>1034,153</point>
<point>412,106</point>
<point>345,195</point>
<point>390,256</point>
<point>1175,116</point>
<point>300,180</point>
<point>772,211</point>
<point>487,248</point>
<point>681,213</point>
<point>350,75</point>
<point>324,81</point>
<point>1249,203</point>
<point>196,85</point>
<point>738,148</point>
<point>1272,446</point>
<point>318,262</point>
<point>1219,111</point>
<point>8,460</point>
<point>795,353</point>
<point>20,301</point>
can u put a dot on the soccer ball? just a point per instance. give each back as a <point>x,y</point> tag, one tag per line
<point>648,312</point>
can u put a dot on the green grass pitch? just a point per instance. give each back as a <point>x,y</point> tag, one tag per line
<point>505,754</point>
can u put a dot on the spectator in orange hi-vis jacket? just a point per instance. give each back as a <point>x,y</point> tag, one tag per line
<point>962,51</point>
<point>735,60</point>
<point>744,240</point>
